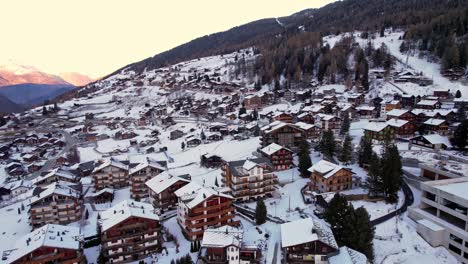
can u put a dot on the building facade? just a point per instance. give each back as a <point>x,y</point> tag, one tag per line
<point>249,179</point>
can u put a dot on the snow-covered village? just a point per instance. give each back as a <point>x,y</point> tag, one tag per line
<point>357,155</point>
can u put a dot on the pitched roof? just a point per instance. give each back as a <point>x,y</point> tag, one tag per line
<point>59,188</point>
<point>163,181</point>
<point>306,230</point>
<point>397,112</point>
<point>396,122</point>
<point>272,148</point>
<point>124,210</point>
<point>50,235</point>
<point>193,194</point>
<point>434,122</point>
<point>376,126</point>
<point>326,168</point>
<point>222,237</point>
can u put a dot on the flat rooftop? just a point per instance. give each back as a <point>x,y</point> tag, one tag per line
<point>457,187</point>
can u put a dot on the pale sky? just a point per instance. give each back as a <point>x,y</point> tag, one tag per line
<point>96,37</point>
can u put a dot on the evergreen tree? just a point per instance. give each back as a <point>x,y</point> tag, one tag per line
<point>361,233</point>
<point>277,85</point>
<point>460,135</point>
<point>202,135</point>
<point>391,173</point>
<point>347,150</point>
<point>260,212</point>
<point>304,158</point>
<point>327,144</point>
<point>216,182</point>
<point>182,145</point>
<point>44,110</point>
<point>365,151</point>
<point>345,124</point>
<point>458,94</point>
<point>242,111</point>
<point>101,259</point>
<point>374,181</point>
<point>337,213</point>
<point>461,114</point>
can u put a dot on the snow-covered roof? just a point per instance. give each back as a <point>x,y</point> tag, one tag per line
<point>193,194</point>
<point>397,112</point>
<point>457,189</point>
<point>376,126</point>
<point>272,148</point>
<point>59,188</point>
<point>437,139</point>
<point>222,237</point>
<point>324,117</point>
<point>111,162</point>
<point>326,168</point>
<point>365,108</point>
<point>427,102</point>
<point>434,122</point>
<point>306,230</point>
<point>124,210</point>
<point>396,122</point>
<point>347,255</point>
<point>147,163</point>
<point>163,181</point>
<point>304,126</point>
<point>50,235</point>
<point>55,172</point>
<point>102,191</point>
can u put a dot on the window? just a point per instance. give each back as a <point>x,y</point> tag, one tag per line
<point>455,249</point>
<point>323,258</point>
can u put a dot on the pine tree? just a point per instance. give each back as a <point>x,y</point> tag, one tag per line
<point>327,144</point>
<point>391,173</point>
<point>304,158</point>
<point>365,151</point>
<point>216,182</point>
<point>337,213</point>
<point>347,150</point>
<point>361,233</point>
<point>374,180</point>
<point>458,94</point>
<point>460,134</point>
<point>44,110</point>
<point>182,145</point>
<point>260,212</point>
<point>461,114</point>
<point>202,135</point>
<point>345,125</point>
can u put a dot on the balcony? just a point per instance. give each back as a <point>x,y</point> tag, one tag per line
<point>213,207</point>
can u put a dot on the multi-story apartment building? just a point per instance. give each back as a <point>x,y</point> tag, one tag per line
<point>328,122</point>
<point>129,231</point>
<point>284,134</point>
<point>162,190</point>
<point>225,245</point>
<point>329,177</point>
<point>442,215</point>
<point>202,207</point>
<point>402,127</point>
<point>111,173</point>
<point>140,174</point>
<point>280,157</point>
<point>379,132</point>
<point>57,203</point>
<point>49,244</point>
<point>249,179</point>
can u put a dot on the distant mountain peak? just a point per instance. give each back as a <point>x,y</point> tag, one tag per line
<point>76,79</point>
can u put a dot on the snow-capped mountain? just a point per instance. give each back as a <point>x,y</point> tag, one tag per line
<point>13,73</point>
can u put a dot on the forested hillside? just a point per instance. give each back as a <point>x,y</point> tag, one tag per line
<point>348,15</point>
